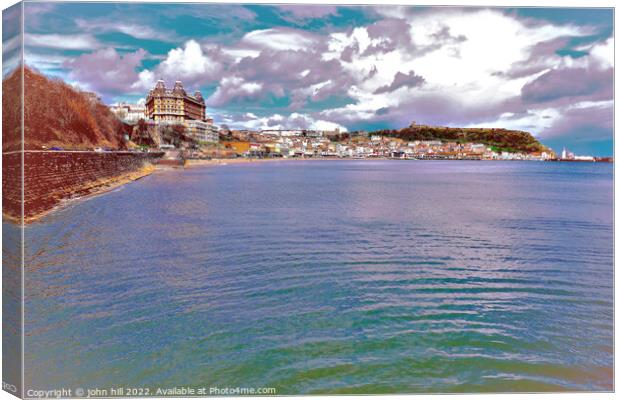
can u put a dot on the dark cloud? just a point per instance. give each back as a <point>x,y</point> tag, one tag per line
<point>349,51</point>
<point>106,71</point>
<point>585,131</point>
<point>235,88</point>
<point>594,122</point>
<point>402,80</point>
<point>443,37</point>
<point>540,55</point>
<point>383,111</point>
<point>568,82</point>
<point>290,73</point>
<point>391,34</point>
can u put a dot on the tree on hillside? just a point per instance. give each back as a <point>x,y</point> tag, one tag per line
<point>500,138</point>
<point>176,135</point>
<point>225,133</point>
<point>55,114</point>
<point>141,134</point>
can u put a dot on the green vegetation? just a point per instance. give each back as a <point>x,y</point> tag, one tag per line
<point>340,137</point>
<point>498,138</point>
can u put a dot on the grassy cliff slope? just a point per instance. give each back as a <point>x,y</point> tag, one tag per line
<point>501,139</point>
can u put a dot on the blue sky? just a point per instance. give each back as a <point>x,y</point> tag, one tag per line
<point>548,71</point>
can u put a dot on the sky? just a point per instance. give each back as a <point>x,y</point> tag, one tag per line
<point>548,71</point>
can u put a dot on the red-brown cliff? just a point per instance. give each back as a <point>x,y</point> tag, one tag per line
<point>55,115</point>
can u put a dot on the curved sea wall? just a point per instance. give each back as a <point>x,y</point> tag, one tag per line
<point>51,177</point>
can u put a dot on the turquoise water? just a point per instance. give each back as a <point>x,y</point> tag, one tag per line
<point>330,277</point>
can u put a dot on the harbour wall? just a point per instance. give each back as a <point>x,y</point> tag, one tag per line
<point>50,177</point>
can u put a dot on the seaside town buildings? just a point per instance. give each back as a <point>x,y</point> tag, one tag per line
<point>164,106</point>
<point>360,145</point>
<point>130,113</point>
<point>270,143</point>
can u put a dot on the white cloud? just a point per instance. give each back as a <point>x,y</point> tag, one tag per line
<point>238,54</point>
<point>146,80</point>
<point>188,62</point>
<point>136,30</point>
<point>278,121</point>
<point>9,64</point>
<point>11,43</point>
<point>44,62</point>
<point>603,53</point>
<point>591,104</point>
<point>277,39</point>
<point>323,125</point>
<point>67,42</point>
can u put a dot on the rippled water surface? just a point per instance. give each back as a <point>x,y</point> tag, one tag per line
<point>330,276</point>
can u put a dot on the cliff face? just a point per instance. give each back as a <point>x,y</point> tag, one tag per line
<point>502,139</point>
<point>55,114</point>
<point>11,112</point>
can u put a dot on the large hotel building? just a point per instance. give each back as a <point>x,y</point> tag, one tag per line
<point>176,106</point>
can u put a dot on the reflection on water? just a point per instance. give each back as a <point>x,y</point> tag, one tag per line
<point>343,276</point>
<point>12,296</point>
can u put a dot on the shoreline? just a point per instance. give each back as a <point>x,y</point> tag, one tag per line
<point>101,186</point>
<point>241,160</point>
<point>194,163</point>
<point>227,161</point>
<point>91,189</point>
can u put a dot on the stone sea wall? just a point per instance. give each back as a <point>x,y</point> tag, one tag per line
<point>53,176</point>
<point>11,184</point>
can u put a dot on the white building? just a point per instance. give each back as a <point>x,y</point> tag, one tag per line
<point>431,142</point>
<point>314,134</point>
<point>202,131</point>
<point>130,113</point>
<point>282,132</point>
<point>567,155</point>
<point>584,158</point>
